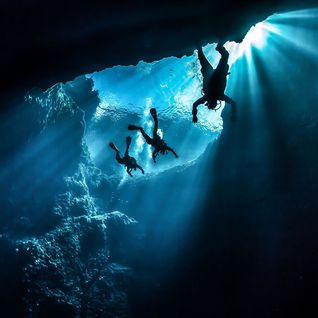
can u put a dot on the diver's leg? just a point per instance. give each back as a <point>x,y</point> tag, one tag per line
<point>222,68</point>
<point>147,138</point>
<point>128,142</point>
<point>206,67</point>
<point>200,101</point>
<point>223,51</point>
<point>170,149</point>
<point>224,56</point>
<point>119,159</point>
<point>155,119</point>
<point>230,101</point>
<point>113,146</point>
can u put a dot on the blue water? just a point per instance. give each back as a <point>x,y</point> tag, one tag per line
<point>73,218</point>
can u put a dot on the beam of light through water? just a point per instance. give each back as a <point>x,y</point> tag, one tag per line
<point>289,40</point>
<point>42,159</point>
<point>171,201</point>
<point>171,85</point>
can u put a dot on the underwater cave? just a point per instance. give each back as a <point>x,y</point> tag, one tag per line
<point>227,229</point>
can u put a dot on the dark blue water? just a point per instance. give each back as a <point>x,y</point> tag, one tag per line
<point>227,229</point>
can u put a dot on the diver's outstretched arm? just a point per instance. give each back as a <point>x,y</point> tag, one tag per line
<point>154,155</point>
<point>140,168</point>
<point>170,149</point>
<point>200,101</point>
<point>119,159</point>
<point>230,101</point>
<point>147,138</point>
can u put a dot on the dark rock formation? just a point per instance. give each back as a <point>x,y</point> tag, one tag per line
<point>45,43</point>
<point>57,242</point>
<point>69,271</point>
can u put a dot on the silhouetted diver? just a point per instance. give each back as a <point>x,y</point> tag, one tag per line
<point>156,141</point>
<point>128,161</point>
<point>214,82</point>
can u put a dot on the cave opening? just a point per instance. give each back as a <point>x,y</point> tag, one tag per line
<point>231,198</point>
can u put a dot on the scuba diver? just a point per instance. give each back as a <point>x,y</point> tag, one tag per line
<point>156,141</point>
<point>129,162</point>
<point>214,83</point>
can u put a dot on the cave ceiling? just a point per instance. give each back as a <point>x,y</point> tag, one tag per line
<point>44,42</point>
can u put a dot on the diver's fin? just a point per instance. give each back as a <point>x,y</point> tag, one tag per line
<point>112,145</point>
<point>133,127</point>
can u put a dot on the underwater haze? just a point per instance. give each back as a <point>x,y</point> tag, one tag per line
<point>209,234</point>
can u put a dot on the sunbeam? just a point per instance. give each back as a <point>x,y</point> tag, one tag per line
<point>225,225</point>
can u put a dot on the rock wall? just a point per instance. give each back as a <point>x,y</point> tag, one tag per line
<point>56,233</point>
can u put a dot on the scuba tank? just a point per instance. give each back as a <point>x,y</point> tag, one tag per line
<point>131,162</point>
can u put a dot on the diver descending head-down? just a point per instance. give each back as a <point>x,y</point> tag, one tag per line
<point>214,83</point>
<point>156,141</point>
<point>129,162</point>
